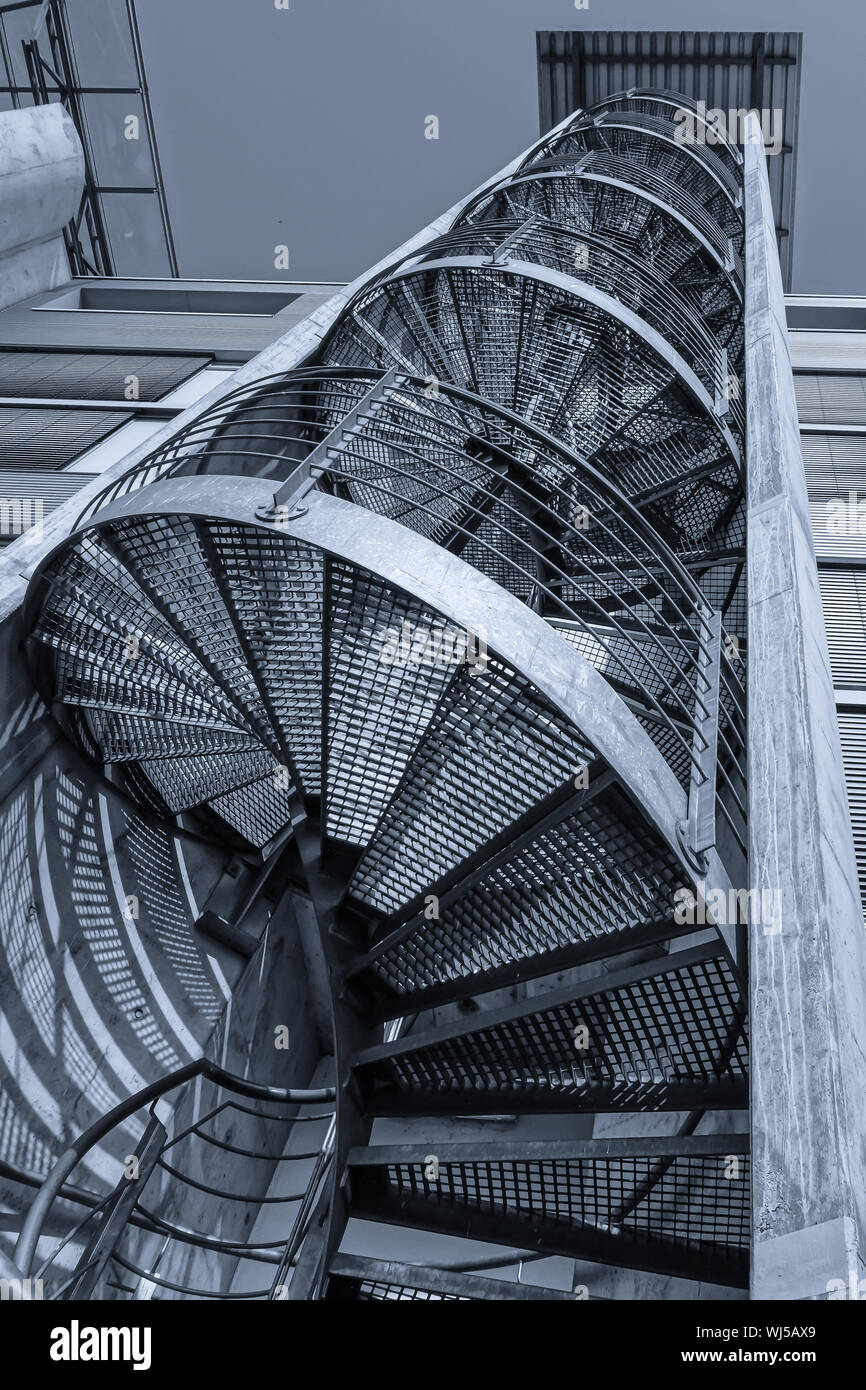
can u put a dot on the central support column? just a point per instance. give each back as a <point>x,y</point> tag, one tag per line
<point>808,980</point>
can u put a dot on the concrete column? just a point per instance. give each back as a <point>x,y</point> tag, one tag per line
<point>808,981</point>
<point>41,179</point>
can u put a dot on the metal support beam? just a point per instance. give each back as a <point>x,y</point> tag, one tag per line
<point>702,795</point>
<point>314,465</point>
<point>349,1271</point>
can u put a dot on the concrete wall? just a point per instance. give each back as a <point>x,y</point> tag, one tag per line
<point>41,178</point>
<point>808,982</point>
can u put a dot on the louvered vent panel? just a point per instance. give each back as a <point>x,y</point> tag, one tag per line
<point>826,399</point>
<point>51,439</point>
<point>27,498</point>
<point>835,465</point>
<point>843,593</point>
<point>816,350</point>
<point>836,527</point>
<point>852,731</point>
<point>93,376</point>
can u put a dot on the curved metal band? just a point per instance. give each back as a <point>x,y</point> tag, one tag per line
<point>451,587</point>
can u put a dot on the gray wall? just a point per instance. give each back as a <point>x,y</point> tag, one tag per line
<point>306,126</point>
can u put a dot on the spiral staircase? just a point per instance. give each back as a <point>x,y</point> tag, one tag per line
<point>444,619</point>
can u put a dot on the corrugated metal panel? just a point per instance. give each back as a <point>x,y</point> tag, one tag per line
<point>51,439</point>
<point>93,376</point>
<point>825,399</point>
<point>852,732</point>
<point>579,67</point>
<point>25,498</point>
<point>835,465</point>
<point>844,596</point>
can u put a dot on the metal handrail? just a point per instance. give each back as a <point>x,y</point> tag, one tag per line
<point>596,166</point>
<point>665,98</point>
<point>71,1156</point>
<point>619,571</point>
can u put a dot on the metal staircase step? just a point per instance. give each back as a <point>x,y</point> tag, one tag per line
<point>677,1206</point>
<point>580,883</point>
<point>662,1035</point>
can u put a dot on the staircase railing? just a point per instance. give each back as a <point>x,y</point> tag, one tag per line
<point>108,1218</point>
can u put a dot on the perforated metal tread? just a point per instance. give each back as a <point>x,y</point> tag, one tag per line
<point>602,197</point>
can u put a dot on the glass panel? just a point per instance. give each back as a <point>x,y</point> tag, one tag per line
<point>100,37</point>
<point>118,141</point>
<point>135,233</point>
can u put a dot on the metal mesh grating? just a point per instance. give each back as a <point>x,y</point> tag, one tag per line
<point>645,1039</point>
<point>260,812</point>
<point>274,586</point>
<point>378,1291</point>
<point>494,748</point>
<point>593,202</point>
<point>691,1201</point>
<point>377,709</point>
<point>596,874</point>
<point>556,359</point>
<point>605,264</point>
<point>169,558</point>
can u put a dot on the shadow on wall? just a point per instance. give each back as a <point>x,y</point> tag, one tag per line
<point>105,985</point>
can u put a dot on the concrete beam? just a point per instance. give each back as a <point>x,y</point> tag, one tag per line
<point>808,982</point>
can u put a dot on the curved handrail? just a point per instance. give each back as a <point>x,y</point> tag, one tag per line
<point>285,398</point>
<point>31,1228</point>
<point>702,183</point>
<point>597,166</point>
<point>253,392</point>
<point>707,159</point>
<point>664,97</point>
